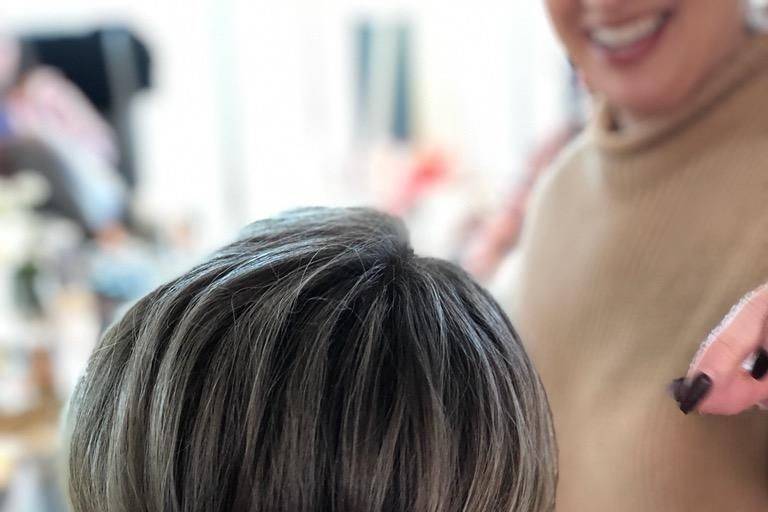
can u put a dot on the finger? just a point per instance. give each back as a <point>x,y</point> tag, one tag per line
<point>721,359</point>
<point>743,391</point>
<point>740,393</point>
<point>734,340</point>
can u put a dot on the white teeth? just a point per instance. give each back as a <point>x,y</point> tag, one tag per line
<point>627,34</point>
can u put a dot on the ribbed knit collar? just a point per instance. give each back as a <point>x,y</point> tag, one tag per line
<point>751,60</point>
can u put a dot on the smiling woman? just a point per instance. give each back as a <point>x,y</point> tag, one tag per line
<point>638,242</point>
<point>648,56</point>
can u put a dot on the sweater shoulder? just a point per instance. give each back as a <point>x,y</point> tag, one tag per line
<point>553,186</point>
<point>565,172</point>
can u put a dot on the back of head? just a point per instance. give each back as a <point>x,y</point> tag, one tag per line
<point>314,365</point>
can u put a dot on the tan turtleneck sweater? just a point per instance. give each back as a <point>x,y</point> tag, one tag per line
<point>636,245</point>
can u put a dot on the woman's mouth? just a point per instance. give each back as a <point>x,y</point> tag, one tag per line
<point>628,42</point>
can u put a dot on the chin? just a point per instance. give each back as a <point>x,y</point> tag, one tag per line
<point>647,101</point>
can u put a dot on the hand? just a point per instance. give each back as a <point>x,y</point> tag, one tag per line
<point>727,375</point>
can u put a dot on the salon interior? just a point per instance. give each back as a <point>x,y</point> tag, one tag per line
<point>137,136</point>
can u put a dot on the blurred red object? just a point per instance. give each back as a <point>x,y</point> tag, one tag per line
<point>428,170</point>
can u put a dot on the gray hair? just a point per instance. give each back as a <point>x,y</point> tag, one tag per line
<point>316,364</point>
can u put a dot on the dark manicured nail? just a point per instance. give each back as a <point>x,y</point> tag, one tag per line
<point>760,368</point>
<point>676,388</point>
<point>695,393</point>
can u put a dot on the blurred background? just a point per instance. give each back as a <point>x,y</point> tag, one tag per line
<point>137,136</point>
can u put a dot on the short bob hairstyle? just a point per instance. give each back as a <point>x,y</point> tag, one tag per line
<point>316,364</point>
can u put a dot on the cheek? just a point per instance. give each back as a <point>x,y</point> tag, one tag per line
<point>707,34</point>
<point>709,29</point>
<point>564,13</point>
<point>565,17</point>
